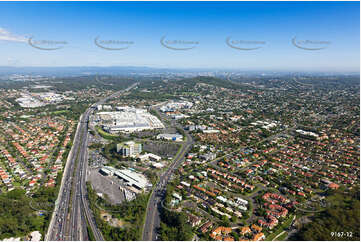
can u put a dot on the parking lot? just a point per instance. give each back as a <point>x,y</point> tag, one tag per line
<point>96,159</point>
<point>107,185</point>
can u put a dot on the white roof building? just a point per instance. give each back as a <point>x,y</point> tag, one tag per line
<point>211,131</point>
<point>158,165</point>
<point>128,120</point>
<point>175,137</point>
<point>222,199</point>
<point>185,184</point>
<point>177,196</point>
<point>132,178</point>
<point>241,201</point>
<point>150,156</point>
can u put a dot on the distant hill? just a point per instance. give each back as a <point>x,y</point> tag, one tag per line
<point>191,82</point>
<point>74,71</point>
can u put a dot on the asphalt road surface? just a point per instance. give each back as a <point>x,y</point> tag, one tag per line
<point>72,212</point>
<point>152,221</point>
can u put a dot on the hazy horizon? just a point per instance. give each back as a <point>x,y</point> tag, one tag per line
<point>247,36</point>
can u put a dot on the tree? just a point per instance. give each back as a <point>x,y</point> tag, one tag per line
<point>342,216</point>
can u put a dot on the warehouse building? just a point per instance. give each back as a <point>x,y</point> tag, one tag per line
<point>134,179</point>
<point>128,119</point>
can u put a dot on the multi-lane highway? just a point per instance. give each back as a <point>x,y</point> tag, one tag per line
<point>72,212</point>
<point>152,221</point>
<point>58,226</point>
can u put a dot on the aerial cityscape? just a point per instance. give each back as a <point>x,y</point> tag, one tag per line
<point>180,121</point>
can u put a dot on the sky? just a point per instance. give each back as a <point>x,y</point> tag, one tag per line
<point>276,36</point>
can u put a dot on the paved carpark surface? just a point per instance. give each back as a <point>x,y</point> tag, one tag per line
<point>96,138</point>
<point>96,159</point>
<point>103,184</point>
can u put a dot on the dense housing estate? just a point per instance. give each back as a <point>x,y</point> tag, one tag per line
<point>224,159</point>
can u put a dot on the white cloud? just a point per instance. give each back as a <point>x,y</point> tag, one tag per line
<point>12,61</point>
<point>7,36</point>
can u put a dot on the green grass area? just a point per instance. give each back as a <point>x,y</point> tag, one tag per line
<point>248,194</point>
<point>106,135</point>
<point>282,237</point>
<point>270,237</point>
<point>90,232</point>
<point>60,111</point>
<point>288,222</point>
<point>185,138</point>
<point>178,152</point>
<point>284,225</point>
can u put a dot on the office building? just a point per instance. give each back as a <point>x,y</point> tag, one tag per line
<point>129,149</point>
